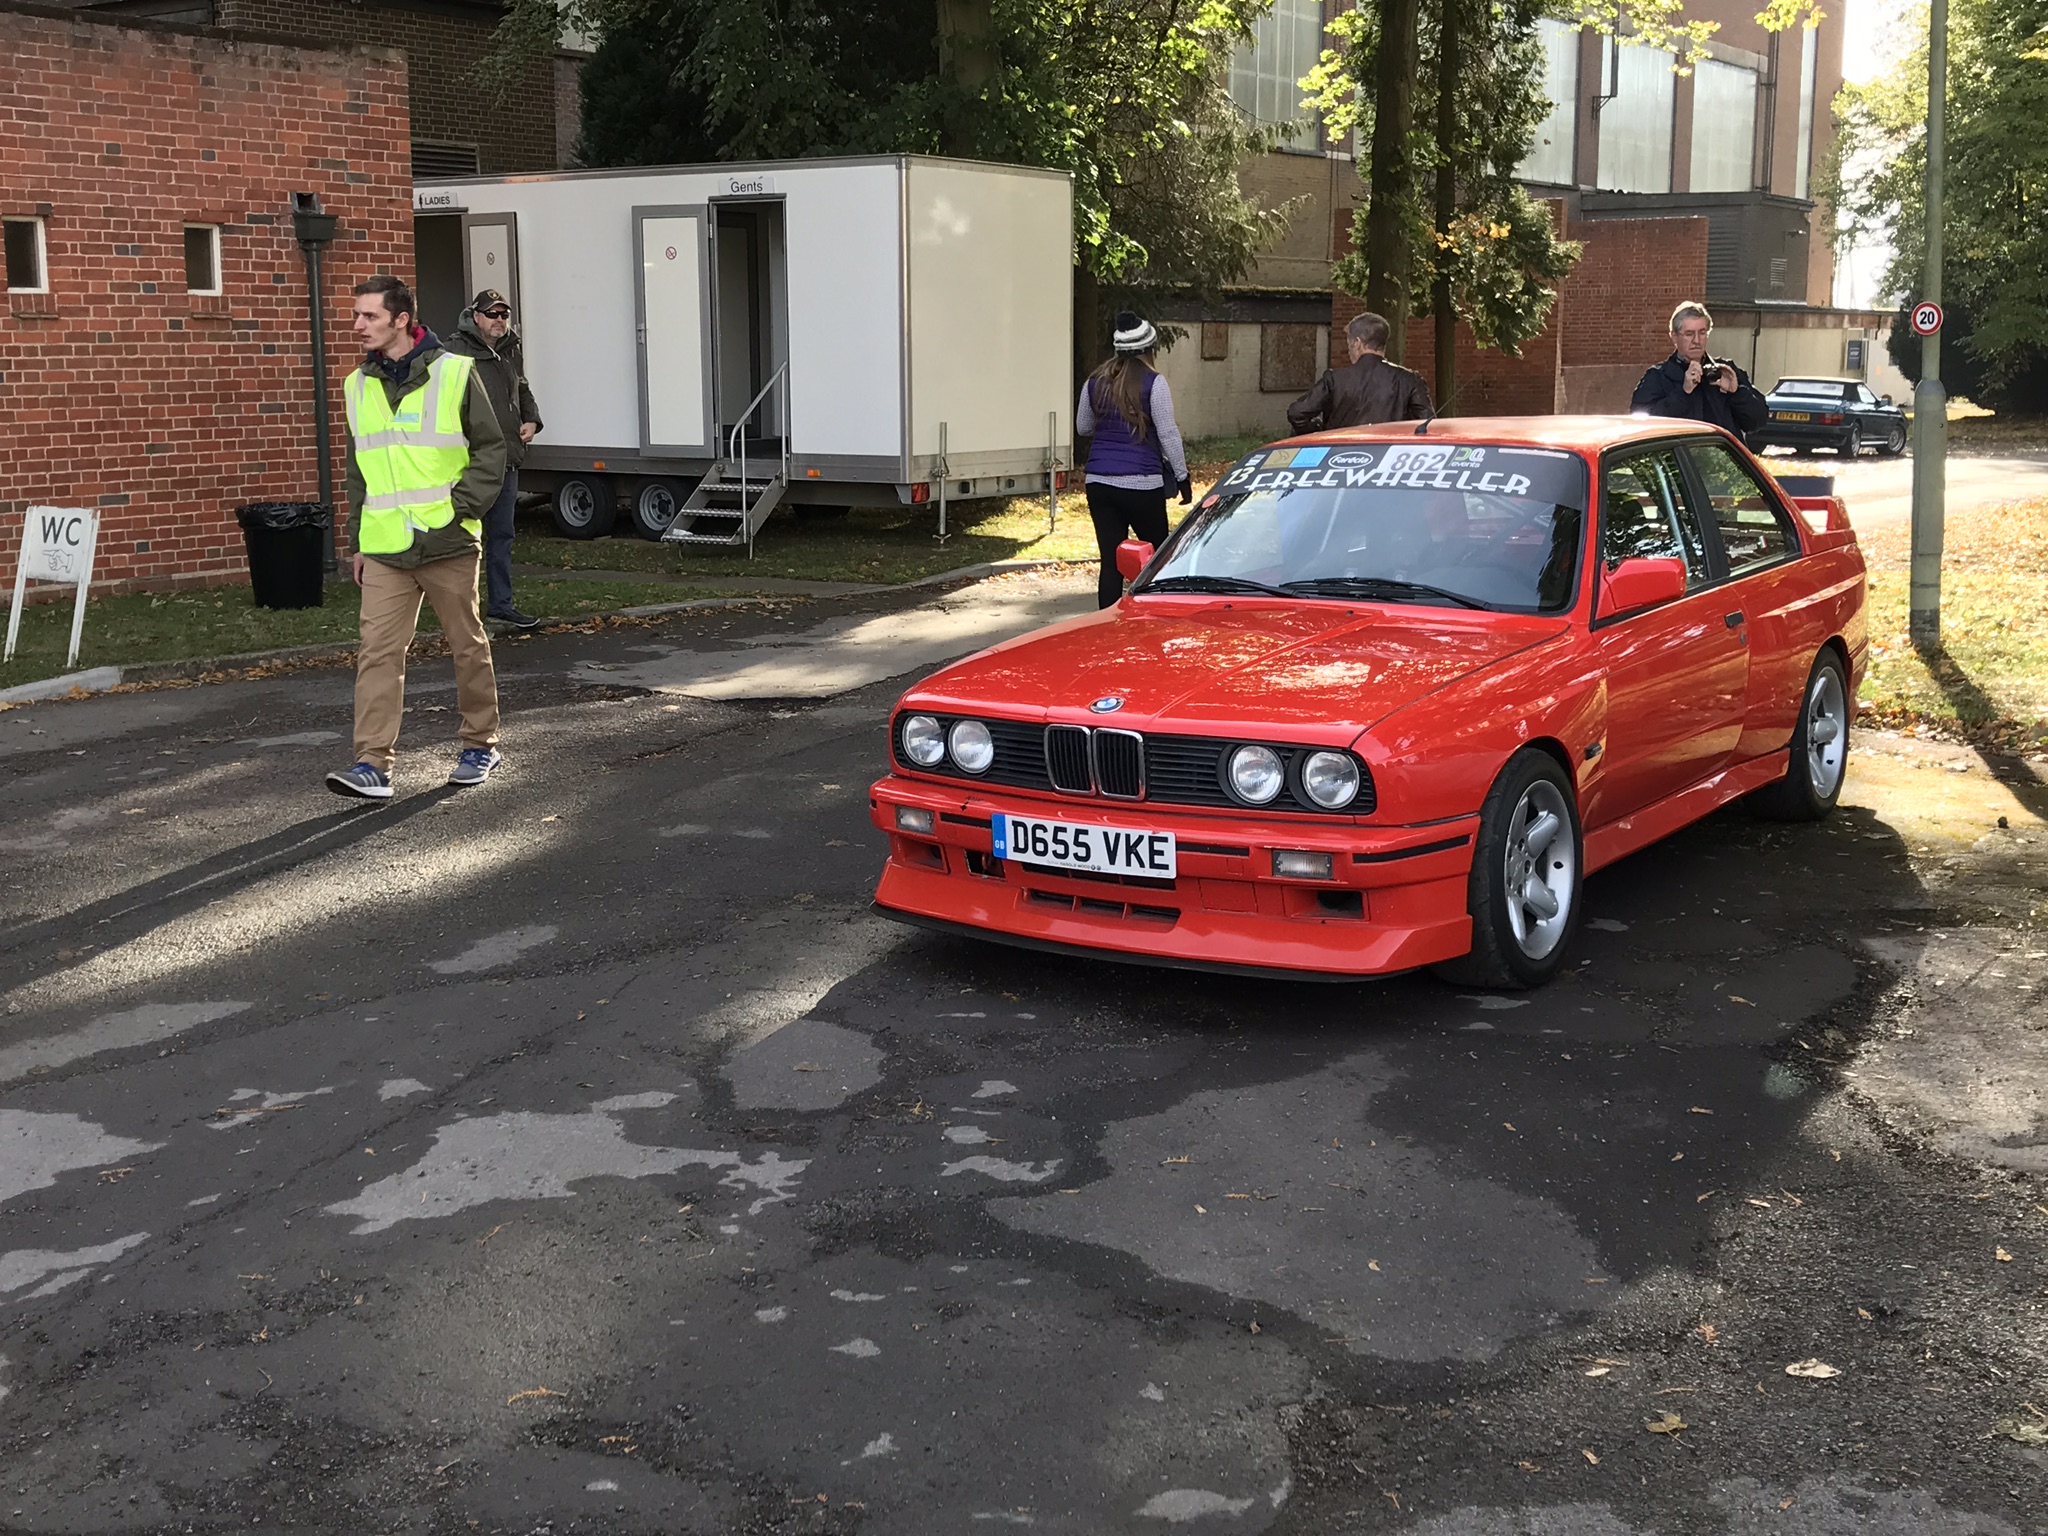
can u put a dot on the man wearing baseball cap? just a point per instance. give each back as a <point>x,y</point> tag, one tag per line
<point>485,334</point>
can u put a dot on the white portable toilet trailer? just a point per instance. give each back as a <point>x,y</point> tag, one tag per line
<point>708,342</point>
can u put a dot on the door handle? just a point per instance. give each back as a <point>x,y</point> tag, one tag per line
<point>1733,620</point>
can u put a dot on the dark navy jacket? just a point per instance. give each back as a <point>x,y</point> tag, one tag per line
<point>1662,393</point>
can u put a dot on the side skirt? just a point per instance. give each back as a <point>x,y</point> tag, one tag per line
<point>1619,839</point>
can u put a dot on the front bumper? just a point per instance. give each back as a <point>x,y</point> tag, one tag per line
<point>1397,899</point>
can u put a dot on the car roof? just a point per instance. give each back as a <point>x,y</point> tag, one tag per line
<point>1813,378</point>
<point>1584,433</point>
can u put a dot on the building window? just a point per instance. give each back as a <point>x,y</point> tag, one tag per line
<point>1265,73</point>
<point>28,269</point>
<point>202,258</point>
<point>1287,358</point>
<point>1809,68</point>
<point>1723,127</point>
<point>1635,127</point>
<point>431,158</point>
<point>1550,153</point>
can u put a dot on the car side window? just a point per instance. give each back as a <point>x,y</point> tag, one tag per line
<point>1645,513</point>
<point>1864,396</point>
<point>1753,531</point>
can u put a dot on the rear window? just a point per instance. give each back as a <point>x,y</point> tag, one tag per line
<point>1469,525</point>
<point>1809,389</point>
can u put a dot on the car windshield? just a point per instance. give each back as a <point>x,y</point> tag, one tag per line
<point>1810,389</point>
<point>1459,525</point>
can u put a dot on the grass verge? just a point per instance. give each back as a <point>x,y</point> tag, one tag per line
<point>183,626</point>
<point>1988,681</point>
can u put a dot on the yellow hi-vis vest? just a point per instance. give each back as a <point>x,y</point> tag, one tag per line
<point>410,457</point>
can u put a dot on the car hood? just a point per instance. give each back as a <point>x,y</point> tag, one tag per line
<point>1331,669</point>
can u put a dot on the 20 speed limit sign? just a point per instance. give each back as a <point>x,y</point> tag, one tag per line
<point>1926,318</point>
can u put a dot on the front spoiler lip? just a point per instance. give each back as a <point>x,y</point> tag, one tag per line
<point>1124,957</point>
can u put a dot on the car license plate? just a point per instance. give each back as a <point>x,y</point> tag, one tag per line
<point>1793,415</point>
<point>1099,850</point>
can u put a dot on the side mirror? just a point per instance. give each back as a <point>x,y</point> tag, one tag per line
<point>1132,556</point>
<point>1887,399</point>
<point>1641,583</point>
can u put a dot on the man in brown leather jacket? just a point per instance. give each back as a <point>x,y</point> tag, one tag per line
<point>1370,391</point>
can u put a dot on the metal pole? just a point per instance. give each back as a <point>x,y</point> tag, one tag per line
<point>316,299</point>
<point>1930,399</point>
<point>945,472</point>
<point>1052,471</point>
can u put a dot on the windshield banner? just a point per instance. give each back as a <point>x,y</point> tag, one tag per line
<point>1537,474</point>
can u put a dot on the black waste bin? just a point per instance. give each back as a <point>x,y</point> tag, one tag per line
<point>287,543</point>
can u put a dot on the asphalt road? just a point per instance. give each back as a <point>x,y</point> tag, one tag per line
<point>1879,491</point>
<point>580,1155</point>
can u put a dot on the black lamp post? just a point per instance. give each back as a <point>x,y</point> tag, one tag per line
<point>314,230</point>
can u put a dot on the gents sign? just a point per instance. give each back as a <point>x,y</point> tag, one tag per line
<point>56,545</point>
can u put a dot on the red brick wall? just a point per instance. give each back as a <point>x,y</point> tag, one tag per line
<point>1618,301</point>
<point>1611,320</point>
<point>120,391</point>
<point>442,45</point>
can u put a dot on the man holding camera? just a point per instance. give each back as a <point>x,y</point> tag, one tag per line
<point>1695,386</point>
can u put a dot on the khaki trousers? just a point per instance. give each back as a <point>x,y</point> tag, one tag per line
<point>391,612</point>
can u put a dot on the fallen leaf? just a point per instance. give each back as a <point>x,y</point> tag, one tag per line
<point>1172,1162</point>
<point>1665,1424</point>
<point>1678,1157</point>
<point>1528,1466</point>
<point>1255,1325</point>
<point>835,842</point>
<point>1702,1199</point>
<point>1812,1370</point>
<point>1203,1209</point>
<point>1373,1265</point>
<point>1591,1459</point>
<point>1764,1204</point>
<point>1708,1332</point>
<point>1510,1125</point>
<point>550,818</point>
<point>1696,1110</point>
<point>1742,1000</point>
<point>1784,1503</point>
<point>2024,1431</point>
<point>1600,1370</point>
<point>1864,1313</point>
<point>530,1394</point>
<point>2002,1256</point>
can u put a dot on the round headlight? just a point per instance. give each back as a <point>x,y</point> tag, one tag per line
<point>973,748</point>
<point>923,742</point>
<point>1331,779</point>
<point>1256,774</point>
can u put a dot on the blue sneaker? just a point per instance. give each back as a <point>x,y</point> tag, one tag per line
<point>361,781</point>
<point>474,766</point>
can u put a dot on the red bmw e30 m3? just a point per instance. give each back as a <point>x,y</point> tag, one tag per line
<point>1384,700</point>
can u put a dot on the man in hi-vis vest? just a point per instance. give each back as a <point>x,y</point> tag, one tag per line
<point>426,457</point>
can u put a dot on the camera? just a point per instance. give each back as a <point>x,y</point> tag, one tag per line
<point>1710,373</point>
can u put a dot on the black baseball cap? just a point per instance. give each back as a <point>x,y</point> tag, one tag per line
<point>490,298</point>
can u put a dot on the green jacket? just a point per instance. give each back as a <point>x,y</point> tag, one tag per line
<point>502,367</point>
<point>474,493</point>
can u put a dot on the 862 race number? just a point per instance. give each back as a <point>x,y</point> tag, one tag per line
<point>1099,850</point>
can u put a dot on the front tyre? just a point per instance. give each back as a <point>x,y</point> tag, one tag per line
<point>1526,877</point>
<point>1820,748</point>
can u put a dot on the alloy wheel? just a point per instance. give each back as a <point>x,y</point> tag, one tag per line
<point>1827,731</point>
<point>1542,870</point>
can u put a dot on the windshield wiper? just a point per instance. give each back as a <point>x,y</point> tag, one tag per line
<point>1216,584</point>
<point>1379,587</point>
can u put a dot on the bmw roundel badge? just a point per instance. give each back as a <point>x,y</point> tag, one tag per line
<point>1109,704</point>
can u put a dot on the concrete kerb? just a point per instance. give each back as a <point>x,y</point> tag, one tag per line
<point>99,679</point>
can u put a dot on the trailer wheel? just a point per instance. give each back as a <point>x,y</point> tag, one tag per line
<point>584,506</point>
<point>656,501</point>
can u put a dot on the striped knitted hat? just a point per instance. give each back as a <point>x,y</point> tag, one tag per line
<point>1133,335</point>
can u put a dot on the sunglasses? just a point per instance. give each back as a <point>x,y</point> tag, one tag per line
<point>496,314</point>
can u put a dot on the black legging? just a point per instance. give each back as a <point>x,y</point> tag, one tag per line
<point>1115,510</point>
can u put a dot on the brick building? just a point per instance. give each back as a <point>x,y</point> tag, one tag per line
<point>154,342</point>
<point>457,129</point>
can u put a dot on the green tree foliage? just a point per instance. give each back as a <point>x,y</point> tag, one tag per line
<point>1494,248</point>
<point>1130,96</point>
<point>1995,208</point>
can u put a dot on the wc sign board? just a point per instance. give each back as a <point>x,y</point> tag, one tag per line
<point>56,545</point>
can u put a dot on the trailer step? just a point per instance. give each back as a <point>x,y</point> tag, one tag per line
<point>747,504</point>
